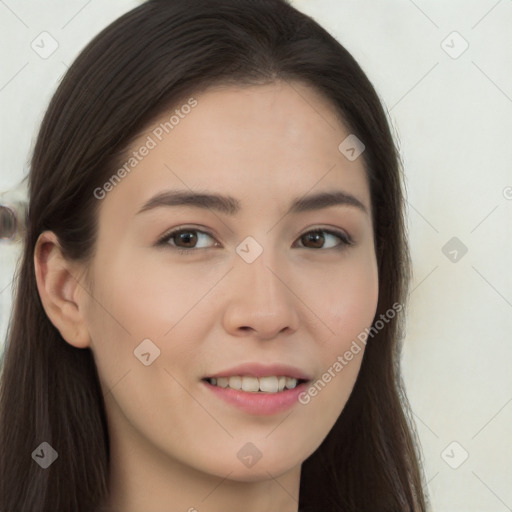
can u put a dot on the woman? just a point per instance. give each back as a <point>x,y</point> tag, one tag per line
<point>209,305</point>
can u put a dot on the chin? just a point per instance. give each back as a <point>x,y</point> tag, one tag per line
<point>256,471</point>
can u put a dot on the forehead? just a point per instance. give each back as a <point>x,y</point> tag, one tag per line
<point>257,143</point>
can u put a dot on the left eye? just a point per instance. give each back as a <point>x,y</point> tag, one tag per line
<point>189,237</point>
<point>318,236</point>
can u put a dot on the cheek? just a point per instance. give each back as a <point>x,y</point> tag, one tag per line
<point>134,301</point>
<point>155,294</point>
<point>348,302</point>
<point>355,307</point>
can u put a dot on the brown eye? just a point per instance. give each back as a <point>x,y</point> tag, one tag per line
<point>189,238</point>
<point>317,238</point>
<point>185,238</point>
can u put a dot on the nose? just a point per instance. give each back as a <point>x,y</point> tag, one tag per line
<point>261,302</point>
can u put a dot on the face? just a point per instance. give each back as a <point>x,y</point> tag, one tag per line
<point>250,287</point>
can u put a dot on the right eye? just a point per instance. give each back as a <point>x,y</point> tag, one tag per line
<point>187,236</point>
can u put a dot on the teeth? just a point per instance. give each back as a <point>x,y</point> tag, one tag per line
<point>290,383</point>
<point>235,382</point>
<point>268,384</point>
<point>272,384</point>
<point>222,382</point>
<point>250,384</point>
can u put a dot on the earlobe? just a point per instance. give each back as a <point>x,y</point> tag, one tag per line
<point>58,287</point>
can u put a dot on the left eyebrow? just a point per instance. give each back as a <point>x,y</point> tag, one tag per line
<point>231,206</point>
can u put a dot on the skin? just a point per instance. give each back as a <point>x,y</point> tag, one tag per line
<point>174,444</point>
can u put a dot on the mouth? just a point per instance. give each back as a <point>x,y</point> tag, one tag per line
<point>269,384</point>
<point>258,389</point>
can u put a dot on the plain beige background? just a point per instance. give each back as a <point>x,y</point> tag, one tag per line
<point>443,72</point>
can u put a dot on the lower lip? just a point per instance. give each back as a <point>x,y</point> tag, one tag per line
<point>262,404</point>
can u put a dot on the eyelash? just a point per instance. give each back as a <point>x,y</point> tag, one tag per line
<point>346,240</point>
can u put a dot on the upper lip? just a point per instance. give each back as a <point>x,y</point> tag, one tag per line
<point>262,370</point>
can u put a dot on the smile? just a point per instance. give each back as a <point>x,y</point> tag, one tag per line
<point>270,384</point>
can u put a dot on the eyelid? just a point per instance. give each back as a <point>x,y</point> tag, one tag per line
<point>346,239</point>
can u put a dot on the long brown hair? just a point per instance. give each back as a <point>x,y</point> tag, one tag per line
<point>135,69</point>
